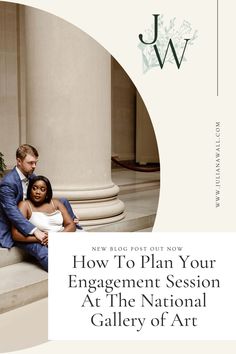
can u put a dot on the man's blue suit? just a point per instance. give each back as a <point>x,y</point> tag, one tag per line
<point>11,193</point>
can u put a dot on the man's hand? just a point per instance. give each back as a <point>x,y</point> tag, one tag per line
<point>41,236</point>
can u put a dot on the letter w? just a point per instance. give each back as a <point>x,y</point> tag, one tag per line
<point>102,263</point>
<point>170,44</point>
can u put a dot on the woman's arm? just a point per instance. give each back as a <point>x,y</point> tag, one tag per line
<point>68,223</point>
<point>38,236</point>
<point>17,235</point>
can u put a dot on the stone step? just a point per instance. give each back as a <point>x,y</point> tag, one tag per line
<point>20,284</point>
<point>11,256</point>
<point>149,229</point>
<point>140,213</point>
<point>126,225</point>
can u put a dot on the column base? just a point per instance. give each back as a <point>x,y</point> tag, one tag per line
<point>95,207</point>
<point>99,213</point>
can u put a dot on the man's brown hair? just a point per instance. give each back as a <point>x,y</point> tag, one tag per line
<point>24,150</point>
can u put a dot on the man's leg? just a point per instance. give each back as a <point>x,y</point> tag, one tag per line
<point>66,203</point>
<point>36,250</point>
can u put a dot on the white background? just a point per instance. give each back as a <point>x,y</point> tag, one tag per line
<point>184,107</point>
<point>68,320</point>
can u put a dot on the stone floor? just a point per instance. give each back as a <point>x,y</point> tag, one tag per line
<point>140,193</point>
<point>123,177</point>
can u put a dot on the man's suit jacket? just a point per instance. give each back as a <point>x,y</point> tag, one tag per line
<point>11,193</point>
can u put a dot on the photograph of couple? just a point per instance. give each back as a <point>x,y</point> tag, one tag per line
<point>28,211</point>
<point>70,108</point>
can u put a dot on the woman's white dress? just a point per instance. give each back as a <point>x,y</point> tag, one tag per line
<point>47,221</point>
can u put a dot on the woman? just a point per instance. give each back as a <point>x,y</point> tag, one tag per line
<point>46,213</point>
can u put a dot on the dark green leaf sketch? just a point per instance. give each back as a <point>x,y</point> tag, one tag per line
<point>165,34</point>
<point>2,165</point>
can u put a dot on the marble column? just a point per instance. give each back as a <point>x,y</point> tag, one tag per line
<point>9,98</point>
<point>68,107</point>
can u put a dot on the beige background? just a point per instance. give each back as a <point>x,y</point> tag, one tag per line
<point>183,107</point>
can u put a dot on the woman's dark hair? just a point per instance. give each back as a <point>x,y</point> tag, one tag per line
<point>34,179</point>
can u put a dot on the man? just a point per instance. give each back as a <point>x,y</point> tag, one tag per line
<point>13,189</point>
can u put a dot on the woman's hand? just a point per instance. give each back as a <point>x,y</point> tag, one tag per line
<point>41,236</point>
<point>45,240</point>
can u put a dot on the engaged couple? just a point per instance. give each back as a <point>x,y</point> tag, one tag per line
<point>28,210</point>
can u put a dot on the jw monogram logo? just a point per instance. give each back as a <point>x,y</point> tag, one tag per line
<point>164,44</point>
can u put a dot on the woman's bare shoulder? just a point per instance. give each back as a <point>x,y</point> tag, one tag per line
<point>23,204</point>
<point>24,207</point>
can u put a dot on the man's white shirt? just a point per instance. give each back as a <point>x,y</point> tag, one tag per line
<point>25,182</point>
